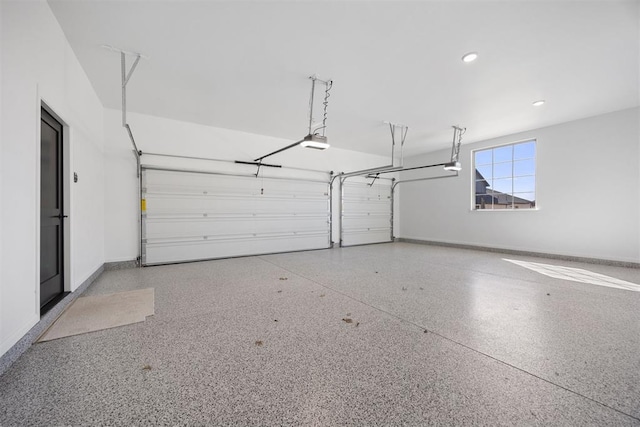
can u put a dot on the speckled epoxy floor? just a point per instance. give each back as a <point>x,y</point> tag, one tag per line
<point>437,336</point>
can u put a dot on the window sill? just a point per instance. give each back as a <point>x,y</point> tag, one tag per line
<point>504,210</point>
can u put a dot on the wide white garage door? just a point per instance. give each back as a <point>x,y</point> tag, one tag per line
<point>189,216</point>
<point>366,211</point>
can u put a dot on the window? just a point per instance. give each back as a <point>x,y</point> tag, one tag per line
<point>505,177</point>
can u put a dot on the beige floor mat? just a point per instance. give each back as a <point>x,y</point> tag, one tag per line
<point>94,313</point>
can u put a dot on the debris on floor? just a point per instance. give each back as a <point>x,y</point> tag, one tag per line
<point>404,289</point>
<point>357,324</point>
<point>275,320</point>
<point>422,289</point>
<point>280,291</point>
<point>321,295</point>
<point>258,343</point>
<point>347,320</point>
<point>548,294</point>
<point>146,368</point>
<point>283,278</point>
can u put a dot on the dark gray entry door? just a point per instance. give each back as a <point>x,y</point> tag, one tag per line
<point>51,211</point>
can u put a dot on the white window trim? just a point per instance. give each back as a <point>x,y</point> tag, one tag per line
<point>472,199</point>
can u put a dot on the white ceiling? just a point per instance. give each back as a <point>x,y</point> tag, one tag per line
<point>244,65</point>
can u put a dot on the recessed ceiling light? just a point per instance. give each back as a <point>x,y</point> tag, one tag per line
<point>538,103</point>
<point>470,57</point>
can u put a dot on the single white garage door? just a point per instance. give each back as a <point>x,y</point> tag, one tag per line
<point>366,211</point>
<point>189,216</point>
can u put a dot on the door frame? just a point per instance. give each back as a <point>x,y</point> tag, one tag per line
<point>66,199</point>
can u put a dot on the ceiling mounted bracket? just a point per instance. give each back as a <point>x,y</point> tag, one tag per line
<point>126,76</point>
<point>454,164</point>
<point>318,128</point>
<point>398,136</point>
<point>316,137</point>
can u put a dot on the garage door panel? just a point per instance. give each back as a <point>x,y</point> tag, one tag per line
<point>173,183</point>
<point>211,227</point>
<point>380,208</point>
<point>365,222</point>
<point>362,237</point>
<point>169,252</point>
<point>191,216</point>
<point>183,204</point>
<point>366,212</point>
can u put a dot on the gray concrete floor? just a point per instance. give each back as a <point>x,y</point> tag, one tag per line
<point>437,336</point>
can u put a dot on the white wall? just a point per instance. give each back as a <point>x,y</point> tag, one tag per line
<point>588,191</point>
<point>1,193</point>
<point>159,135</point>
<point>39,65</point>
<point>638,113</point>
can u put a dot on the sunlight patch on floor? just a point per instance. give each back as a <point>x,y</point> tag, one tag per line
<point>576,275</point>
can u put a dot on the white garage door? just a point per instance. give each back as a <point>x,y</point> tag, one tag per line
<point>366,211</point>
<point>189,216</point>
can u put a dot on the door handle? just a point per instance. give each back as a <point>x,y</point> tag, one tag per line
<point>59,216</point>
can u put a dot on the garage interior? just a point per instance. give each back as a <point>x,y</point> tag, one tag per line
<point>344,213</point>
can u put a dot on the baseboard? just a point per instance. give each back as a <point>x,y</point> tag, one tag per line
<point>23,344</point>
<point>523,253</point>
<point>13,339</point>
<point>120,265</point>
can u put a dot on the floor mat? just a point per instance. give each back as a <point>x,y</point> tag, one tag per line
<point>94,313</point>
